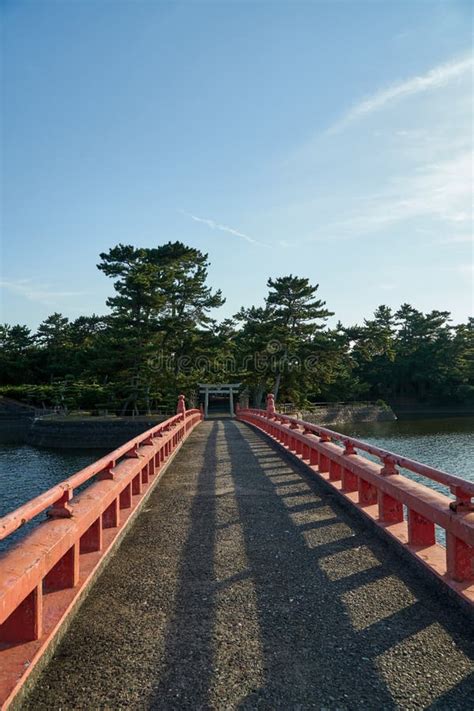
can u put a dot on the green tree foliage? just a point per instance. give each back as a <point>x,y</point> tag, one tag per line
<point>280,342</point>
<point>254,348</point>
<point>297,317</point>
<point>16,346</point>
<point>161,303</point>
<point>161,337</point>
<point>415,356</point>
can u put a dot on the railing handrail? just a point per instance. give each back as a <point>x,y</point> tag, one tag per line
<point>326,403</point>
<point>63,553</point>
<point>408,511</point>
<point>450,480</point>
<point>18,517</point>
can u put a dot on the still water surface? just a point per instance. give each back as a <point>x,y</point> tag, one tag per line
<point>26,472</point>
<point>446,444</point>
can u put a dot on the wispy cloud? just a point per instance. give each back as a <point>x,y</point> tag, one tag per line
<point>461,238</point>
<point>439,191</point>
<point>437,77</point>
<point>223,228</point>
<point>40,293</point>
<point>465,270</point>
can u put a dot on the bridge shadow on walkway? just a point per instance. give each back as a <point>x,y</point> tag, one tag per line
<point>244,585</point>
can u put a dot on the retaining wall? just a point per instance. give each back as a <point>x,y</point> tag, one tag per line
<point>333,414</point>
<point>87,433</point>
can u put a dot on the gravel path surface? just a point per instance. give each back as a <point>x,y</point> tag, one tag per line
<point>242,585</point>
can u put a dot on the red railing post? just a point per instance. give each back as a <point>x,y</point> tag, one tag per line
<point>368,493</point>
<point>53,557</point>
<point>181,406</point>
<point>271,404</point>
<point>25,622</point>
<point>125,497</point>
<point>335,471</point>
<point>323,459</point>
<point>137,485</point>
<point>459,558</point>
<point>111,515</point>
<point>323,466</point>
<point>306,451</point>
<point>391,490</point>
<point>350,481</point>
<point>292,441</point>
<point>421,531</point>
<point>92,540</point>
<point>390,509</point>
<point>65,574</point>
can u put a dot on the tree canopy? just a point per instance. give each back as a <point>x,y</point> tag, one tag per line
<point>161,335</point>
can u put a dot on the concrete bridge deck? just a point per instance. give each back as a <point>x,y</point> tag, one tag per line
<point>243,585</point>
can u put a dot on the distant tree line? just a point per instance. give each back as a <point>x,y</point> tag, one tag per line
<point>159,339</point>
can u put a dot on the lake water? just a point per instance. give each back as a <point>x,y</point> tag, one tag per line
<point>25,472</point>
<point>446,444</point>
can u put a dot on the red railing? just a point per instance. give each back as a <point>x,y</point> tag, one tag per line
<point>381,491</point>
<point>43,575</point>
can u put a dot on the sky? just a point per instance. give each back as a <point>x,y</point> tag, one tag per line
<point>331,140</point>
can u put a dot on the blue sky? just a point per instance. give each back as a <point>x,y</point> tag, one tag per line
<point>327,139</point>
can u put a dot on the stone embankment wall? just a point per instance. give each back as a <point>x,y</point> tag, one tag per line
<point>15,420</point>
<point>87,433</point>
<point>21,423</point>
<point>334,414</point>
<point>421,411</point>
<point>14,429</point>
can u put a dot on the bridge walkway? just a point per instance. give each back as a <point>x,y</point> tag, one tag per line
<point>243,585</point>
